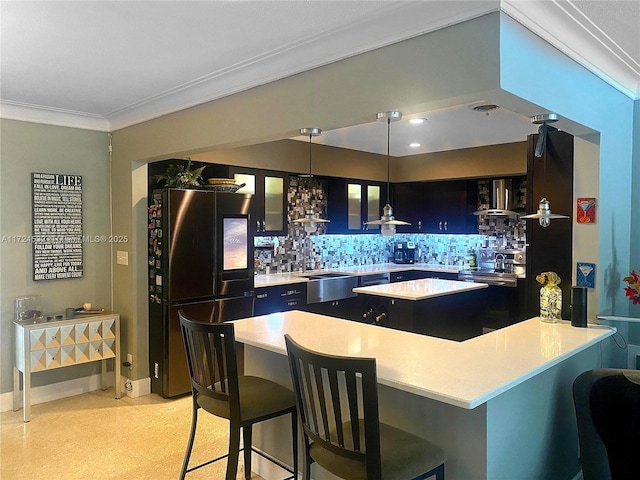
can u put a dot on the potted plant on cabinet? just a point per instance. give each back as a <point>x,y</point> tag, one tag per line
<point>179,176</point>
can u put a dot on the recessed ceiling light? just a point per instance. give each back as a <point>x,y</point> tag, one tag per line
<point>416,120</point>
<point>414,145</point>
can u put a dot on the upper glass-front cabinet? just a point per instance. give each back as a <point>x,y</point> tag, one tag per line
<point>374,208</point>
<point>354,206</point>
<point>353,203</point>
<point>362,209</point>
<point>274,197</point>
<point>269,204</point>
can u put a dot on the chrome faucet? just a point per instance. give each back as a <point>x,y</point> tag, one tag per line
<point>304,253</point>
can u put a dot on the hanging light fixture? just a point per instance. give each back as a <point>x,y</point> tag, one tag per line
<point>310,220</point>
<point>543,214</point>
<point>387,221</point>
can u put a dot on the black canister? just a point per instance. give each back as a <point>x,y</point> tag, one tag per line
<point>579,306</point>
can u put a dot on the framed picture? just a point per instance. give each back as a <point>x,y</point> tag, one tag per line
<point>586,275</point>
<point>586,211</point>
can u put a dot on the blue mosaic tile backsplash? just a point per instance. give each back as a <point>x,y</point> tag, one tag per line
<point>332,251</point>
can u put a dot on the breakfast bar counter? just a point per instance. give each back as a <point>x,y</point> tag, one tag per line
<point>499,404</point>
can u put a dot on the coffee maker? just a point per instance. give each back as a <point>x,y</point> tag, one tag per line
<point>405,252</point>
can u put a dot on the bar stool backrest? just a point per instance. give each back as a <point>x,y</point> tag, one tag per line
<point>337,400</point>
<point>212,362</point>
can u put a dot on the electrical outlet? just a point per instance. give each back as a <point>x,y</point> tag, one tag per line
<point>156,370</point>
<point>122,257</point>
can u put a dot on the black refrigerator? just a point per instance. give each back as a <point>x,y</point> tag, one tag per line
<point>200,261</point>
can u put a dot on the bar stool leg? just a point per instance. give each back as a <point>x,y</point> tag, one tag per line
<point>246,435</point>
<point>234,451</point>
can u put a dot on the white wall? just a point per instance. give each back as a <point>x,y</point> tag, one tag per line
<point>586,243</point>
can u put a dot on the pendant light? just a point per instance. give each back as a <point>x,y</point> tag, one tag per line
<point>543,214</point>
<point>387,221</point>
<point>310,220</point>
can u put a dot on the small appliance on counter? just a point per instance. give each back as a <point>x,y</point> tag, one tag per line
<point>405,252</point>
<point>501,267</point>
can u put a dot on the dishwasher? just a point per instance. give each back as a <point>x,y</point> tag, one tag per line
<point>374,308</point>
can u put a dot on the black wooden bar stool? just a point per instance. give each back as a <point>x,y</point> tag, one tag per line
<point>218,389</point>
<point>337,400</point>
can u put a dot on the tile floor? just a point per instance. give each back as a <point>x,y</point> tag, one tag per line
<point>94,436</point>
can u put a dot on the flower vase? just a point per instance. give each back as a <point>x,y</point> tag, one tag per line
<point>550,303</point>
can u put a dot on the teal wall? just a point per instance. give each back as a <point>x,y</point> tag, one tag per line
<point>534,70</point>
<point>635,204</point>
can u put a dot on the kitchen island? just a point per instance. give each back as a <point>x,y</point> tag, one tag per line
<point>329,291</point>
<point>415,290</point>
<point>499,404</point>
<point>440,308</point>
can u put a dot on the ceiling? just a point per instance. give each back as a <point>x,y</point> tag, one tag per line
<point>105,65</point>
<point>473,127</point>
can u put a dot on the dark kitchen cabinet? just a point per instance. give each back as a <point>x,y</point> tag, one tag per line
<point>433,316</point>
<point>269,204</point>
<point>352,203</point>
<point>280,298</point>
<point>346,308</point>
<point>406,275</point>
<point>437,207</point>
<point>408,205</point>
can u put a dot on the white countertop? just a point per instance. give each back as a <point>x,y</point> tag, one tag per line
<point>420,289</point>
<point>277,279</point>
<point>465,374</point>
<point>397,267</point>
<point>267,280</point>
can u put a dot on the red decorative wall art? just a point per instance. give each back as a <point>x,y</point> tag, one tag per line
<point>586,211</point>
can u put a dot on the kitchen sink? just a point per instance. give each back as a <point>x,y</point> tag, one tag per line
<point>327,287</point>
<point>319,276</point>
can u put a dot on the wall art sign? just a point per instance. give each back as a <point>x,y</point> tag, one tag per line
<point>586,211</point>
<point>586,275</point>
<point>57,226</point>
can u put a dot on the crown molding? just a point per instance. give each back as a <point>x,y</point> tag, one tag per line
<point>52,116</point>
<point>558,23</point>
<point>562,25</point>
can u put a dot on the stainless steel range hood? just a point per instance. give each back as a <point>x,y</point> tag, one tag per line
<point>501,200</point>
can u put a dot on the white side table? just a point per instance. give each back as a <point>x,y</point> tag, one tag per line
<point>47,345</point>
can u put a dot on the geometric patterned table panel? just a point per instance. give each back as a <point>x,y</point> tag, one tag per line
<point>45,346</point>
